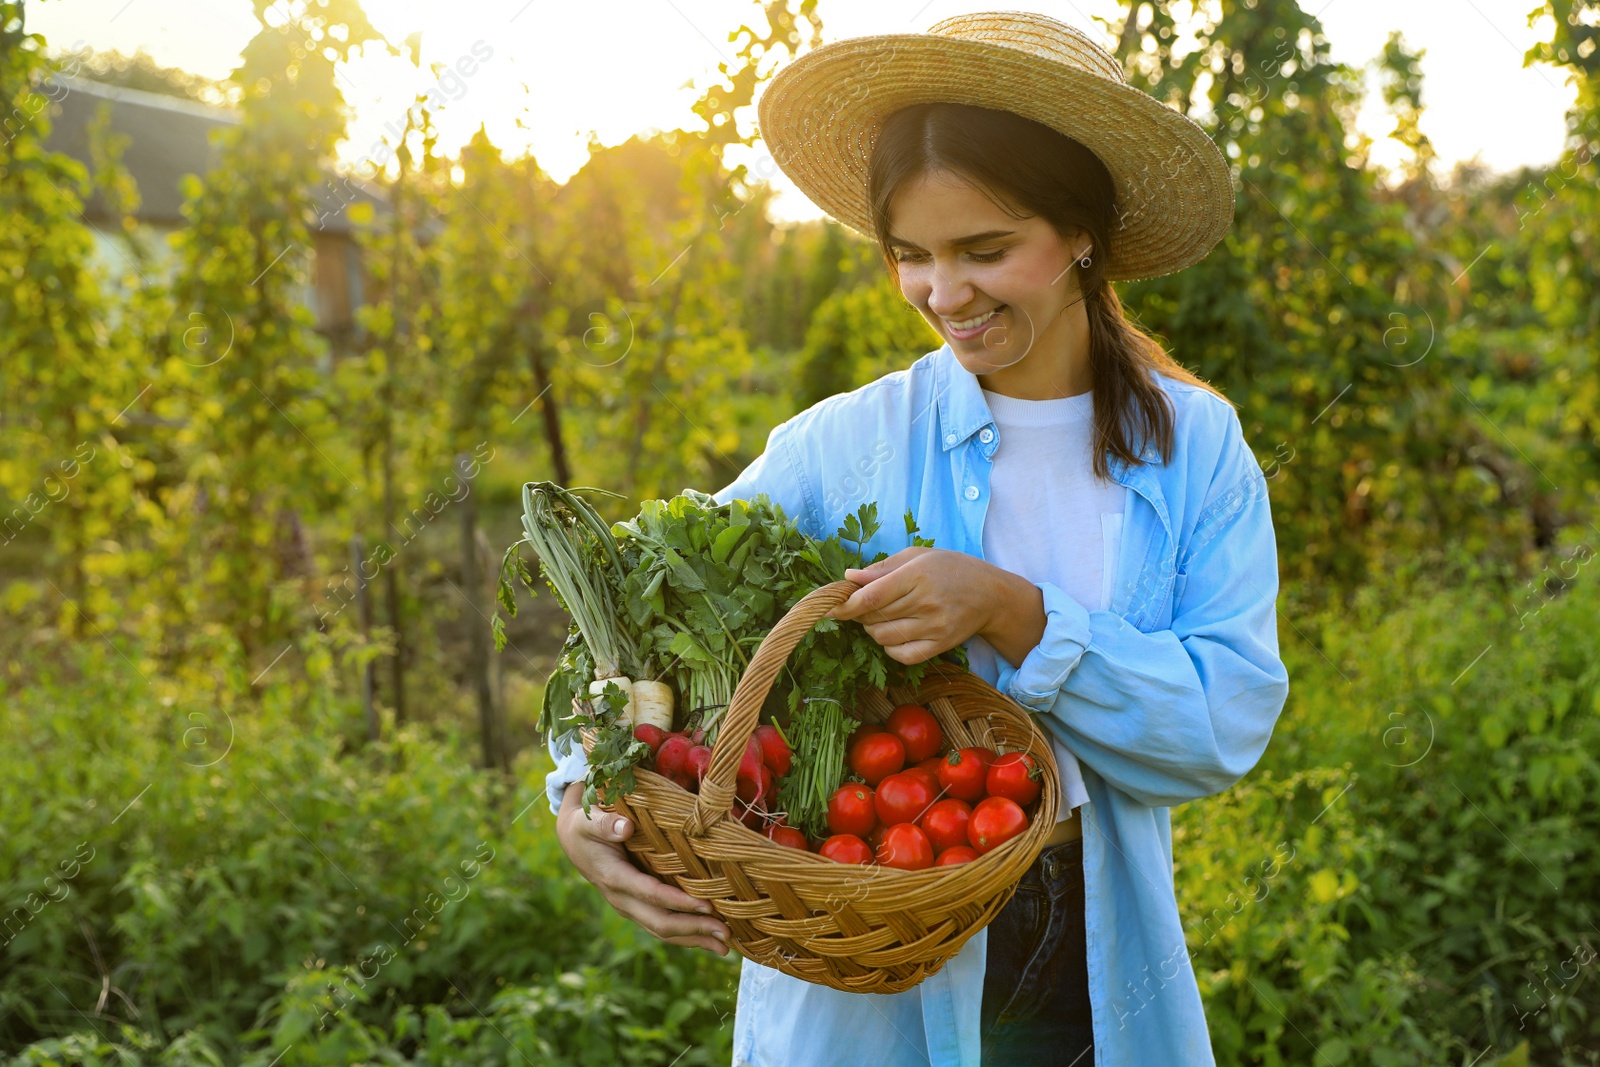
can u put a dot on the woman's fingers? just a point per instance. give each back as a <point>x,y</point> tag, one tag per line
<point>674,926</point>
<point>624,879</point>
<point>594,843</point>
<point>882,599</point>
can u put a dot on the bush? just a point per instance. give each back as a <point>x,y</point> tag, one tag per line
<point>236,889</point>
<point>1430,784</point>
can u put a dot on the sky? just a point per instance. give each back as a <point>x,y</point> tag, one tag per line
<point>608,69</point>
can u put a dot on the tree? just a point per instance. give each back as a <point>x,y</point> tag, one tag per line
<point>254,466</point>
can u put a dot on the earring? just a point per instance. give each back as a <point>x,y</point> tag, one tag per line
<point>1084,262</point>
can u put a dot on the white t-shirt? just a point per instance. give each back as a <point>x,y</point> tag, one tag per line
<point>1050,519</point>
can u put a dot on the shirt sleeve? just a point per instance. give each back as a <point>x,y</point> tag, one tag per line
<point>778,473</point>
<point>1174,715</point>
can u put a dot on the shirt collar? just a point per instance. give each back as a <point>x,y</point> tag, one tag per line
<point>963,412</point>
<point>962,409</point>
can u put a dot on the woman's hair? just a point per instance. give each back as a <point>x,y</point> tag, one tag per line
<point>1046,173</point>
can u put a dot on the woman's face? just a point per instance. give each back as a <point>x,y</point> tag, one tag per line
<point>993,286</point>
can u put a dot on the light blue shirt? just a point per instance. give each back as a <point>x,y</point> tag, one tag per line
<point>1168,696</point>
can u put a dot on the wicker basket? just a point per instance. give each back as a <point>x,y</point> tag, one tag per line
<point>859,928</point>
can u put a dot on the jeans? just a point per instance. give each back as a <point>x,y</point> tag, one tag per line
<point>1036,978</point>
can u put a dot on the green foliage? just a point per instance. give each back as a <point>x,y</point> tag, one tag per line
<point>265,891</point>
<point>1409,877</point>
<point>857,336</point>
<point>185,456</point>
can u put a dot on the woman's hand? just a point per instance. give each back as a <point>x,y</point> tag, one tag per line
<point>594,845</point>
<point>921,601</point>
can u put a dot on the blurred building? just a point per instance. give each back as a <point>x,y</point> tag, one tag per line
<point>165,138</point>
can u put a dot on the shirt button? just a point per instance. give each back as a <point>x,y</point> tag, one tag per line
<point>986,435</point>
<point>972,492</point>
<point>949,438</point>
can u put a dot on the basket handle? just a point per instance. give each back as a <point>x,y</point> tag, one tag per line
<point>743,714</point>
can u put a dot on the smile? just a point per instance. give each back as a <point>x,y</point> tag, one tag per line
<point>967,326</point>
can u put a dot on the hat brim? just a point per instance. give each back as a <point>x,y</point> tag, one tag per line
<point>821,114</point>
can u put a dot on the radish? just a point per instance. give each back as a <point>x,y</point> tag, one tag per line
<point>751,763</point>
<point>652,704</point>
<point>699,762</point>
<point>754,789</point>
<point>673,756</point>
<point>774,749</point>
<point>651,735</point>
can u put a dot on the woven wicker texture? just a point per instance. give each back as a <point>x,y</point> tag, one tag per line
<point>821,114</point>
<point>862,929</point>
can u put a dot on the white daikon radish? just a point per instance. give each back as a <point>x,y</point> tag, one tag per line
<point>652,703</point>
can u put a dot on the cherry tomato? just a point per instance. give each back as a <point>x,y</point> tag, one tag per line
<point>945,823</point>
<point>877,756</point>
<point>955,855</point>
<point>905,846</point>
<point>787,835</point>
<point>931,778</point>
<point>845,848</point>
<point>875,838</point>
<point>995,821</point>
<point>851,810</point>
<point>962,773</point>
<point>1015,776</point>
<point>915,725</point>
<point>774,749</point>
<point>931,765</point>
<point>650,734</point>
<point>902,798</point>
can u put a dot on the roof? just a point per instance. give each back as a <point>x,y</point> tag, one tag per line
<point>168,137</point>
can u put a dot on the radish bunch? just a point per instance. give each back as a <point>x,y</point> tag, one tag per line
<point>684,758</point>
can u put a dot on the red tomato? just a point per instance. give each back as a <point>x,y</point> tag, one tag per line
<point>915,725</point>
<point>955,855</point>
<point>787,835</point>
<point>906,847</point>
<point>902,798</point>
<point>851,811</point>
<point>961,775</point>
<point>774,749</point>
<point>877,756</point>
<point>931,765</point>
<point>1016,777</point>
<point>995,821</point>
<point>931,778</point>
<point>875,838</point>
<point>946,823</point>
<point>845,848</point>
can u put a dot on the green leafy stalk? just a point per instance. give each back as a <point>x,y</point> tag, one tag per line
<point>819,735</point>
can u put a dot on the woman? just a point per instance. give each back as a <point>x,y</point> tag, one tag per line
<point>1105,545</point>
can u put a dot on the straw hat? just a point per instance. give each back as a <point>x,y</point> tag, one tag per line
<point>821,115</point>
